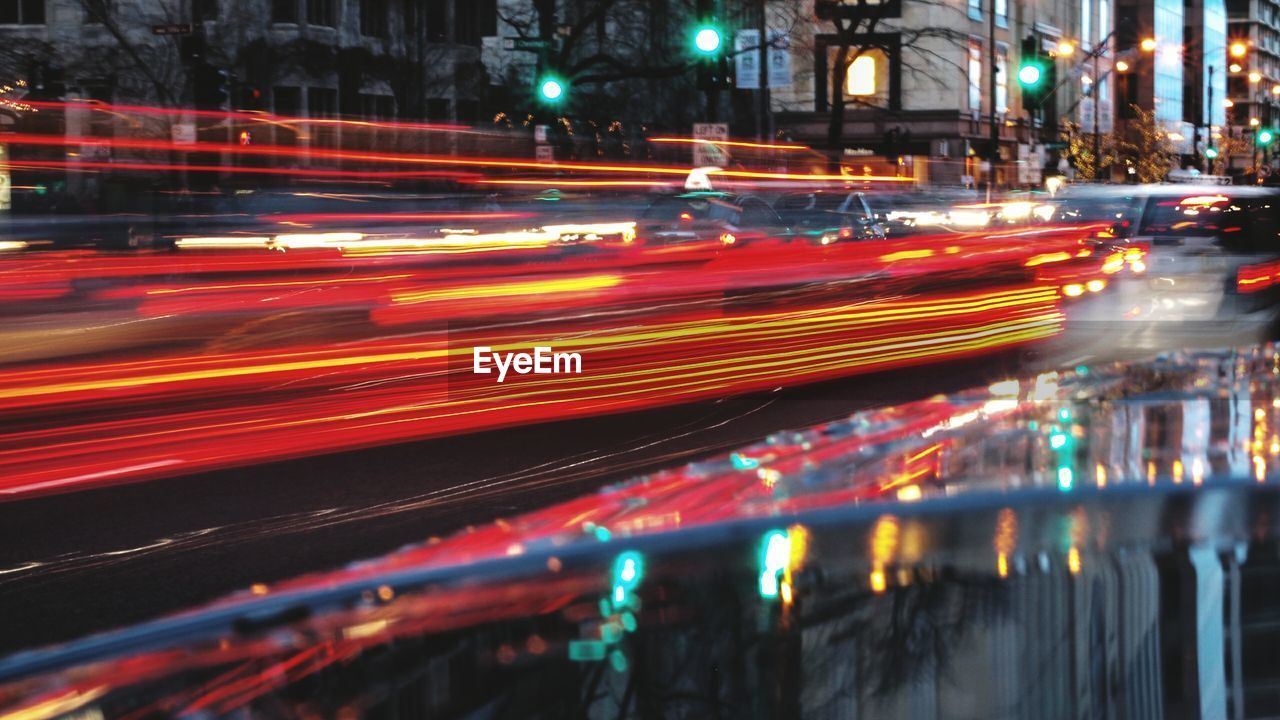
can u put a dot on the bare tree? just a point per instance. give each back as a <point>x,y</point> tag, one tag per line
<point>875,28</point>
<point>625,57</point>
<point>151,63</point>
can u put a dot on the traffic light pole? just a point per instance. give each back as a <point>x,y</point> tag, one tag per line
<point>764,127</point>
<point>993,153</point>
<point>1097,115</point>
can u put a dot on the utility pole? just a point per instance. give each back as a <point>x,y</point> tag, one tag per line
<point>764,126</point>
<point>994,150</point>
<point>1097,100</point>
<point>1208,124</point>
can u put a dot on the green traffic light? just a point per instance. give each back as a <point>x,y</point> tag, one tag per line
<point>707,39</point>
<point>1030,74</point>
<point>1265,137</point>
<point>551,89</point>
<point>1211,153</point>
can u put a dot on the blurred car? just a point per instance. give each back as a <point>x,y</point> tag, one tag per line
<point>909,213</point>
<point>829,216</point>
<point>704,216</point>
<point>1212,252</point>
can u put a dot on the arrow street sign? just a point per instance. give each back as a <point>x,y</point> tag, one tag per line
<point>526,44</point>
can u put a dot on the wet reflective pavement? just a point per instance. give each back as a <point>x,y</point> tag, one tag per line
<point>1097,542</point>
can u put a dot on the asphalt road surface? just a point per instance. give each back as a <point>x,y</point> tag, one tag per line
<point>89,561</point>
<point>93,560</point>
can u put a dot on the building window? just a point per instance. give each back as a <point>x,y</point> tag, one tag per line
<point>1002,13</point>
<point>284,11</point>
<point>22,12</point>
<point>1104,20</point>
<point>202,10</point>
<point>95,11</point>
<point>322,103</point>
<point>975,74</point>
<point>861,78</point>
<point>1086,23</point>
<point>975,9</point>
<point>321,12</point>
<point>373,18</point>
<point>437,109</point>
<point>287,102</point>
<point>377,107</point>
<point>437,29</point>
<point>1002,78</point>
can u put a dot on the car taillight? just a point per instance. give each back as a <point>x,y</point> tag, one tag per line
<point>1255,278</point>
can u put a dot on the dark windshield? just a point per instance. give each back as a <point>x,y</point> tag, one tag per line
<point>814,209</point>
<point>691,208</point>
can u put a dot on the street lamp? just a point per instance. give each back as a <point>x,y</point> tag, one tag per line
<point>1148,45</point>
<point>1238,49</point>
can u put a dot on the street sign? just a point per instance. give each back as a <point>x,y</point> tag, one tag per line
<point>540,133</point>
<point>706,153</point>
<point>184,133</point>
<point>746,59</point>
<point>779,53</point>
<point>544,153</point>
<point>171,29</point>
<point>526,44</point>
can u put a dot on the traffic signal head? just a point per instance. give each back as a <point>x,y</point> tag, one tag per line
<point>1037,75</point>
<point>551,89</point>
<point>706,39</point>
<point>1211,153</point>
<point>212,87</point>
<point>1030,74</point>
<point>1265,137</point>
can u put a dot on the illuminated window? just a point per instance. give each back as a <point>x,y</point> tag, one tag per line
<point>1086,23</point>
<point>975,9</point>
<point>975,74</point>
<point>1002,13</point>
<point>861,78</point>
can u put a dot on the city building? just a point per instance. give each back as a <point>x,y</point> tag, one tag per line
<point>1253,67</point>
<point>311,59</point>
<point>921,92</point>
<point>1176,51</point>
